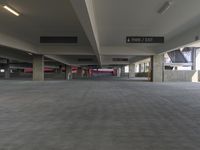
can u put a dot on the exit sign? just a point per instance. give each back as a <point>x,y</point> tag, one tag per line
<point>141,39</point>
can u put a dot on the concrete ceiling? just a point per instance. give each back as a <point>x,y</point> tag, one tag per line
<point>101,27</point>
<point>117,19</point>
<point>42,18</point>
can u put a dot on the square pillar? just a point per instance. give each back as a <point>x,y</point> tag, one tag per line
<point>197,59</point>
<point>132,71</point>
<point>158,75</point>
<point>119,72</point>
<point>68,72</point>
<point>123,71</point>
<point>7,70</point>
<point>79,72</point>
<point>60,69</point>
<point>38,67</point>
<point>87,74</point>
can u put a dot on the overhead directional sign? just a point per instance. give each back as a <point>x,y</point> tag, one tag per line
<point>148,39</point>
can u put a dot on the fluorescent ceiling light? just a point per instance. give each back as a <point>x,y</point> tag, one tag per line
<point>2,70</point>
<point>165,7</point>
<point>11,10</point>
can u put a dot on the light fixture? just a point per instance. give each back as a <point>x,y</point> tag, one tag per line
<point>2,70</point>
<point>30,54</point>
<point>11,10</point>
<point>165,7</point>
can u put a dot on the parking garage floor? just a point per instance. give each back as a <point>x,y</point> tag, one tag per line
<point>99,115</point>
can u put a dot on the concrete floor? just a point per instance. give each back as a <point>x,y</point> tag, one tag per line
<point>99,115</point>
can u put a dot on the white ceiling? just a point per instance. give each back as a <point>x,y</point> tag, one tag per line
<point>41,18</point>
<point>117,19</point>
<point>104,24</point>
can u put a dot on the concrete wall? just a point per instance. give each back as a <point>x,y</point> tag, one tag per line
<point>132,71</point>
<point>180,76</point>
<point>199,75</point>
<point>158,68</point>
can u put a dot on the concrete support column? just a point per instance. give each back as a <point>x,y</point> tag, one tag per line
<point>123,71</point>
<point>90,72</point>
<point>119,72</point>
<point>79,72</point>
<point>158,68</point>
<point>68,72</point>
<point>38,67</point>
<point>83,73</point>
<point>87,74</point>
<point>140,68</point>
<point>7,70</point>
<point>60,69</point>
<point>197,61</point>
<point>132,71</point>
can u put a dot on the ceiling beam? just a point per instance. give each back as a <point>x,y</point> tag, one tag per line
<point>123,50</point>
<point>66,50</point>
<point>137,59</point>
<point>84,63</point>
<point>107,60</point>
<point>13,54</point>
<point>110,62</point>
<point>12,42</point>
<point>58,58</point>
<point>181,40</point>
<point>85,12</point>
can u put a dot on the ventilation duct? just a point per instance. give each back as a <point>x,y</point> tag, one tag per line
<point>85,59</point>
<point>59,39</point>
<point>120,59</point>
